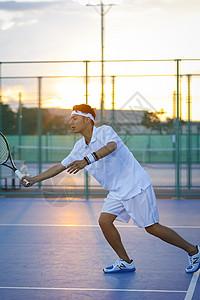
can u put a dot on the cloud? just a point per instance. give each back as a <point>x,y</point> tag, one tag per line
<point>27,5</point>
<point>6,20</point>
<point>21,12</point>
<point>13,13</point>
<point>67,30</point>
<point>9,19</point>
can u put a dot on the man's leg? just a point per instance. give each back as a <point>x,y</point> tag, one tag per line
<point>170,236</point>
<point>112,235</point>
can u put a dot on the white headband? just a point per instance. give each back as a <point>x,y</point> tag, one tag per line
<point>80,113</point>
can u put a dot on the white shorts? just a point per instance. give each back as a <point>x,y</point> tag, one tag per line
<point>142,208</point>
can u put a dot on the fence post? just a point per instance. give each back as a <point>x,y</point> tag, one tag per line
<point>198,144</point>
<point>102,65</point>
<point>1,123</point>
<point>20,123</point>
<point>177,133</point>
<point>86,82</point>
<point>189,133</point>
<point>86,186</point>
<point>113,102</point>
<point>39,128</point>
<point>86,100</point>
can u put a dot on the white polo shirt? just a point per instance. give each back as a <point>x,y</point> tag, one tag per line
<point>119,172</point>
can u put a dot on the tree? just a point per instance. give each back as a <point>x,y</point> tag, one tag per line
<point>9,120</point>
<point>29,120</point>
<point>52,123</point>
<point>170,124</point>
<point>55,124</point>
<point>152,121</point>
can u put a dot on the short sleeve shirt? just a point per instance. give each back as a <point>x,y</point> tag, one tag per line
<point>119,172</point>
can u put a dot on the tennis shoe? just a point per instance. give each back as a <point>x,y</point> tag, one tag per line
<point>194,261</point>
<point>120,266</point>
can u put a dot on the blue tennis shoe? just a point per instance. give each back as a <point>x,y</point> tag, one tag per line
<point>194,262</point>
<point>120,266</point>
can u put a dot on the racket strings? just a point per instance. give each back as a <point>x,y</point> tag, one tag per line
<point>4,153</point>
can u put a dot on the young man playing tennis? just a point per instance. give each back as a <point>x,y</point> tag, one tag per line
<point>103,154</point>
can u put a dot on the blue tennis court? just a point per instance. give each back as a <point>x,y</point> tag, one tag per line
<point>57,251</point>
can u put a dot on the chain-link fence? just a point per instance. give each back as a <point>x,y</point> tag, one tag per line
<point>152,104</point>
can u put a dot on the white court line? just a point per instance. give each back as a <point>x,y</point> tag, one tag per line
<point>90,225</point>
<point>192,286</point>
<point>86,289</point>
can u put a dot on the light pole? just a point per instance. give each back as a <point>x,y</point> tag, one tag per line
<point>105,6</point>
<point>102,63</point>
<point>20,123</point>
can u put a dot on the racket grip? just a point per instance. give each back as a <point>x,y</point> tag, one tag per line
<point>20,175</point>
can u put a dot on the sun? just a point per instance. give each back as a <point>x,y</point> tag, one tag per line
<point>63,93</point>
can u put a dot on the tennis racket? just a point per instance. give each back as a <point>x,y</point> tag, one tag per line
<point>5,157</point>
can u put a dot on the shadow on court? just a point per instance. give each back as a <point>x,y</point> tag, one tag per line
<point>50,252</point>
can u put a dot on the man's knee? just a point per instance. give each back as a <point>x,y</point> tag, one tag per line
<point>106,219</point>
<point>152,229</point>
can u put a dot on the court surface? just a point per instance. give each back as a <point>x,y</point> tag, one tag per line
<point>55,250</point>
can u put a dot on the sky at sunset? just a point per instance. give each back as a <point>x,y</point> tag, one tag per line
<point>66,30</point>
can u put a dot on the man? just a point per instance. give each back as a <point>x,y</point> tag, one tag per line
<point>103,154</point>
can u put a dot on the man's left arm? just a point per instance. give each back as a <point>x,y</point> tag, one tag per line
<point>106,150</point>
<point>77,165</point>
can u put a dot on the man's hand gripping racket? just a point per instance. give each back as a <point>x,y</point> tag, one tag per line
<point>5,158</point>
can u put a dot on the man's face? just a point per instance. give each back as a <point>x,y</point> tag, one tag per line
<point>78,123</point>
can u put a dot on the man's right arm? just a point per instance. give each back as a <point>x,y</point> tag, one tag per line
<point>53,171</point>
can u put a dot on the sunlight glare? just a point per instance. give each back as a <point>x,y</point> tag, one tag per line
<point>68,93</point>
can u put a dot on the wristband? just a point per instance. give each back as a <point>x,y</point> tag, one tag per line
<point>91,158</point>
<point>95,156</point>
<point>87,160</point>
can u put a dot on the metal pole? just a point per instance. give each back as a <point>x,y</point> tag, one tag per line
<point>39,128</point>
<point>20,123</point>
<point>180,98</point>
<point>102,12</point>
<point>177,134</point>
<point>189,134</point>
<point>47,145</point>
<point>86,186</point>
<point>198,144</point>
<point>1,122</point>
<point>86,82</point>
<point>174,104</point>
<point>102,64</point>
<point>174,128</point>
<point>86,98</point>
<point>113,102</point>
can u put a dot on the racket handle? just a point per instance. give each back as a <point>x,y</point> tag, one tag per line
<point>20,175</point>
